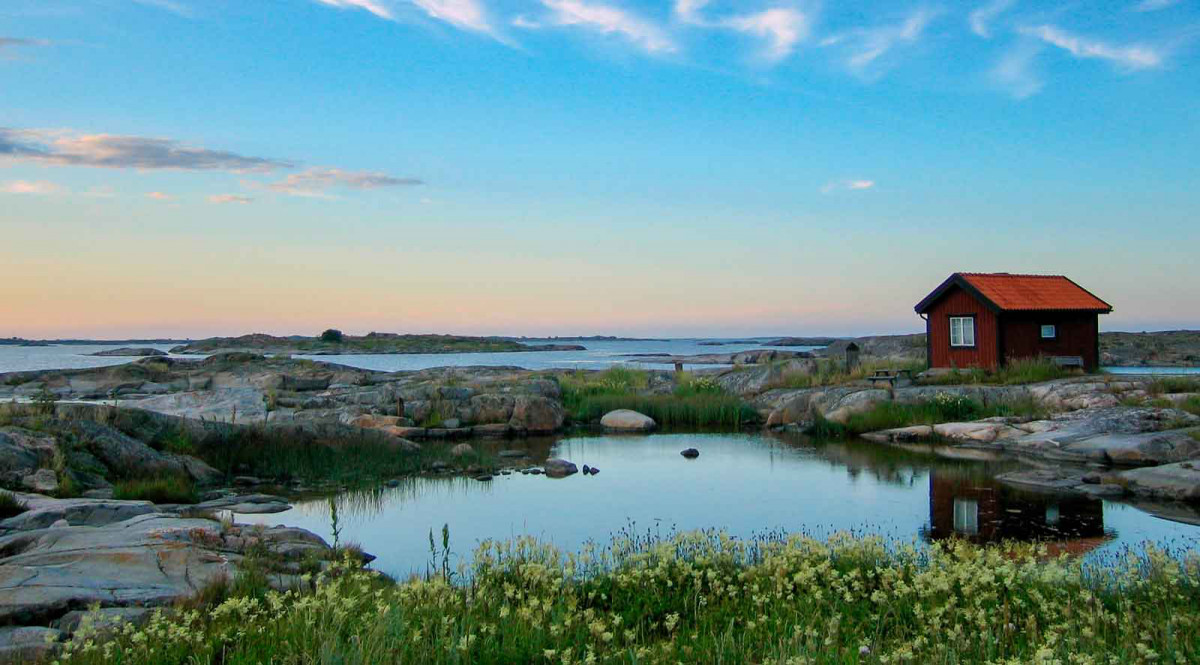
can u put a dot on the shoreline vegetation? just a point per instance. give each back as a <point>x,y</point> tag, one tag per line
<point>699,597</point>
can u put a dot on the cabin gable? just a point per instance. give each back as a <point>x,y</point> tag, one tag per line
<point>957,302</point>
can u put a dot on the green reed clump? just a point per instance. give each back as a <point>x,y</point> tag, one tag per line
<point>942,408</point>
<point>160,489</point>
<point>693,402</point>
<point>1016,372</point>
<point>701,597</point>
<point>10,505</point>
<point>1170,385</point>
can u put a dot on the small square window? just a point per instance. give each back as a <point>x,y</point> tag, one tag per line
<point>1049,332</point>
<point>962,331</point>
<point>966,516</point>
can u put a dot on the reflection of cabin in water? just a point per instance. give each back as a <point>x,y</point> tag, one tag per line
<point>984,511</point>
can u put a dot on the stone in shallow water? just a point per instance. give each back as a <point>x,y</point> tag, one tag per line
<point>559,468</point>
<point>690,453</point>
<point>626,420</point>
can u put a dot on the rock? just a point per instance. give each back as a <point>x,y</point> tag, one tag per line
<point>27,644</point>
<point>483,477</point>
<point>1092,478</point>
<point>102,619</point>
<point>60,524</point>
<point>513,454</point>
<point>22,453</point>
<point>220,404</point>
<point>558,468</point>
<point>452,423</point>
<point>537,414</point>
<point>148,561</point>
<point>43,481</point>
<point>690,453</point>
<point>368,421</point>
<point>856,402</point>
<point>587,470</point>
<point>901,434</point>
<point>394,482</point>
<point>494,430</point>
<point>595,470</point>
<point>246,481</point>
<point>1179,481</point>
<point>438,465</point>
<point>103,493</point>
<point>462,450</point>
<point>625,420</point>
<point>43,512</point>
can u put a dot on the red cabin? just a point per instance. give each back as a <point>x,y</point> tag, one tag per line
<point>985,320</point>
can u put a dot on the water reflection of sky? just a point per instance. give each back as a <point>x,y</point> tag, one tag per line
<point>745,484</point>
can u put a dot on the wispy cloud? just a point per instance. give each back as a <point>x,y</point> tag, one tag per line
<point>782,28</point>
<point>1131,57</point>
<point>868,45</point>
<point>34,187</point>
<point>1014,71</point>
<point>69,148</point>
<point>373,6</point>
<point>168,5</point>
<point>982,17</point>
<point>316,182</point>
<point>606,20</point>
<point>464,14</point>
<point>847,185</point>
<point>9,44</point>
<point>1154,5</point>
<point>160,196</point>
<point>229,198</point>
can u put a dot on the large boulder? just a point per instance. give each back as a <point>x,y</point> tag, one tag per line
<point>246,404</point>
<point>854,403</point>
<point>22,453</point>
<point>150,560</point>
<point>536,414</point>
<point>626,420</point>
<point>1180,481</point>
<point>43,512</point>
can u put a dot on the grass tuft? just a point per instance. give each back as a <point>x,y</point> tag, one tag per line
<point>10,505</point>
<point>163,489</point>
<point>694,402</point>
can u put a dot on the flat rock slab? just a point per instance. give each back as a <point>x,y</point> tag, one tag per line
<point>147,561</point>
<point>27,644</point>
<point>1179,481</point>
<point>45,511</point>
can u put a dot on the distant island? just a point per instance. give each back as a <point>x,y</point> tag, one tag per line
<point>332,343</point>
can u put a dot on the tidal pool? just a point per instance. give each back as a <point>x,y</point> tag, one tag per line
<point>746,484</point>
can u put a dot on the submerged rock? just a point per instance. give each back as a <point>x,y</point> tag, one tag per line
<point>558,468</point>
<point>462,450</point>
<point>690,453</point>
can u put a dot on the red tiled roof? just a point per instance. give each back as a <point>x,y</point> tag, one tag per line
<point>1034,292</point>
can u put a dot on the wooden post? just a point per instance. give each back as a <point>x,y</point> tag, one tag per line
<point>851,357</point>
<point>679,368</point>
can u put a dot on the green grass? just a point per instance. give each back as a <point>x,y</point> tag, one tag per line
<point>943,408</point>
<point>164,489</point>
<point>1016,372</point>
<point>1170,385</point>
<point>10,505</point>
<point>693,402</point>
<point>702,598</point>
<point>1191,405</point>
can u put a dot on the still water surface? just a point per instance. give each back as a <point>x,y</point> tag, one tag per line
<point>746,484</point>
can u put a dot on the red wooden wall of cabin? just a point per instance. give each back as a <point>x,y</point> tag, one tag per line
<point>956,302</point>
<point>1076,335</point>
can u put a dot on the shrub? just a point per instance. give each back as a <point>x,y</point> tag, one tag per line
<point>1170,385</point>
<point>332,335</point>
<point>701,598</point>
<point>1016,372</point>
<point>10,505</point>
<point>163,489</point>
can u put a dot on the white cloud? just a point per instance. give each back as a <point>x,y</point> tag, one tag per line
<point>34,187</point>
<point>70,148</point>
<point>610,20</point>
<point>229,198</point>
<point>980,18</point>
<point>168,5</point>
<point>315,182</point>
<point>1133,57</point>
<point>160,196</point>
<point>1154,5</point>
<point>871,44</point>
<point>1014,71</point>
<point>780,27</point>
<point>849,185</point>
<point>465,14</point>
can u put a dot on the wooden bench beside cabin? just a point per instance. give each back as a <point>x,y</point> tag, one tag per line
<point>891,376</point>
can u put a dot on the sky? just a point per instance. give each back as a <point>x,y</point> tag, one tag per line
<point>189,168</point>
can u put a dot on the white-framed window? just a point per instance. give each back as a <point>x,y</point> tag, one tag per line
<point>1049,331</point>
<point>962,331</point>
<point>966,516</point>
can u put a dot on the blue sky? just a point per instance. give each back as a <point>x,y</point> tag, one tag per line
<point>192,167</point>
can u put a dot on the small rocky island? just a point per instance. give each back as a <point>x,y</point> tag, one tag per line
<point>129,352</point>
<point>333,342</point>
